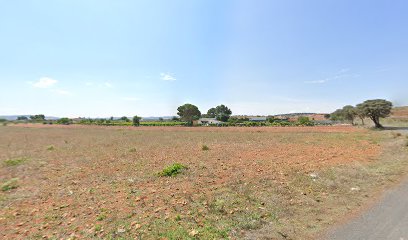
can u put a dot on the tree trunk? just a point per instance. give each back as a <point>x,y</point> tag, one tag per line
<point>362,121</point>
<point>376,121</point>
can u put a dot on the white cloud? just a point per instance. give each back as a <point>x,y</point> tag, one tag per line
<point>167,77</point>
<point>44,82</point>
<point>62,92</point>
<point>132,99</point>
<point>317,81</point>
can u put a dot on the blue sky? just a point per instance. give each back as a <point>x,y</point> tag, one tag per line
<point>100,58</point>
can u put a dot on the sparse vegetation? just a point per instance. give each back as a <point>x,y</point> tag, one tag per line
<point>172,170</point>
<point>14,161</point>
<point>10,184</point>
<point>205,148</point>
<point>238,188</point>
<point>50,147</point>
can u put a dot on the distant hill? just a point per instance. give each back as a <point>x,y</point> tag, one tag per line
<point>400,112</point>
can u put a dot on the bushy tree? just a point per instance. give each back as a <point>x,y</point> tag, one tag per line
<point>188,112</point>
<point>22,118</point>
<point>136,120</point>
<point>39,117</point>
<point>375,109</point>
<point>360,114</point>
<point>211,113</point>
<point>303,120</point>
<point>222,113</point>
<point>125,119</point>
<point>349,113</point>
<point>64,121</point>
<point>337,115</point>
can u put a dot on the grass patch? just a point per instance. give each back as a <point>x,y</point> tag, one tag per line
<point>205,148</point>
<point>101,217</point>
<point>132,150</point>
<point>50,148</point>
<point>14,161</point>
<point>172,170</point>
<point>9,185</point>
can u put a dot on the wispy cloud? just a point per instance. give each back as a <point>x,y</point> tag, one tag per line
<point>342,73</point>
<point>317,81</point>
<point>44,82</point>
<point>167,77</point>
<point>131,99</point>
<point>62,92</point>
<point>108,85</point>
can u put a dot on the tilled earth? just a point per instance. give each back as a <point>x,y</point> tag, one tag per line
<point>102,182</point>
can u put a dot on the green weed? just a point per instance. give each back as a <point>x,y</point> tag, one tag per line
<point>205,148</point>
<point>172,170</point>
<point>10,184</point>
<point>14,161</point>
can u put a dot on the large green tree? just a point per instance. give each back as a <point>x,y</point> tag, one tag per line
<point>211,113</point>
<point>222,113</point>
<point>188,112</point>
<point>375,109</point>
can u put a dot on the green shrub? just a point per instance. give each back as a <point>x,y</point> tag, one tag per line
<point>205,148</point>
<point>64,121</point>
<point>50,148</point>
<point>14,161</point>
<point>10,184</point>
<point>172,170</point>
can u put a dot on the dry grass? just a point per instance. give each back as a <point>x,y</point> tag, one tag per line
<point>94,184</point>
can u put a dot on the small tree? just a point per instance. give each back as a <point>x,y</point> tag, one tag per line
<point>188,112</point>
<point>305,121</point>
<point>64,121</point>
<point>136,121</point>
<point>337,115</point>
<point>349,113</point>
<point>375,109</point>
<point>125,119</point>
<point>22,118</point>
<point>360,114</point>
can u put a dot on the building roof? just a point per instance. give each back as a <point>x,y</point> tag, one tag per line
<point>257,119</point>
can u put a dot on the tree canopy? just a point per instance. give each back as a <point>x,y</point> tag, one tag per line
<point>136,120</point>
<point>39,117</point>
<point>222,113</point>
<point>349,113</point>
<point>188,112</point>
<point>375,109</point>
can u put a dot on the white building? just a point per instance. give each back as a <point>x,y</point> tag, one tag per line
<point>208,121</point>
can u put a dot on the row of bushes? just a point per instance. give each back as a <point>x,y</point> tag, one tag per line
<point>262,124</point>
<point>123,123</point>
